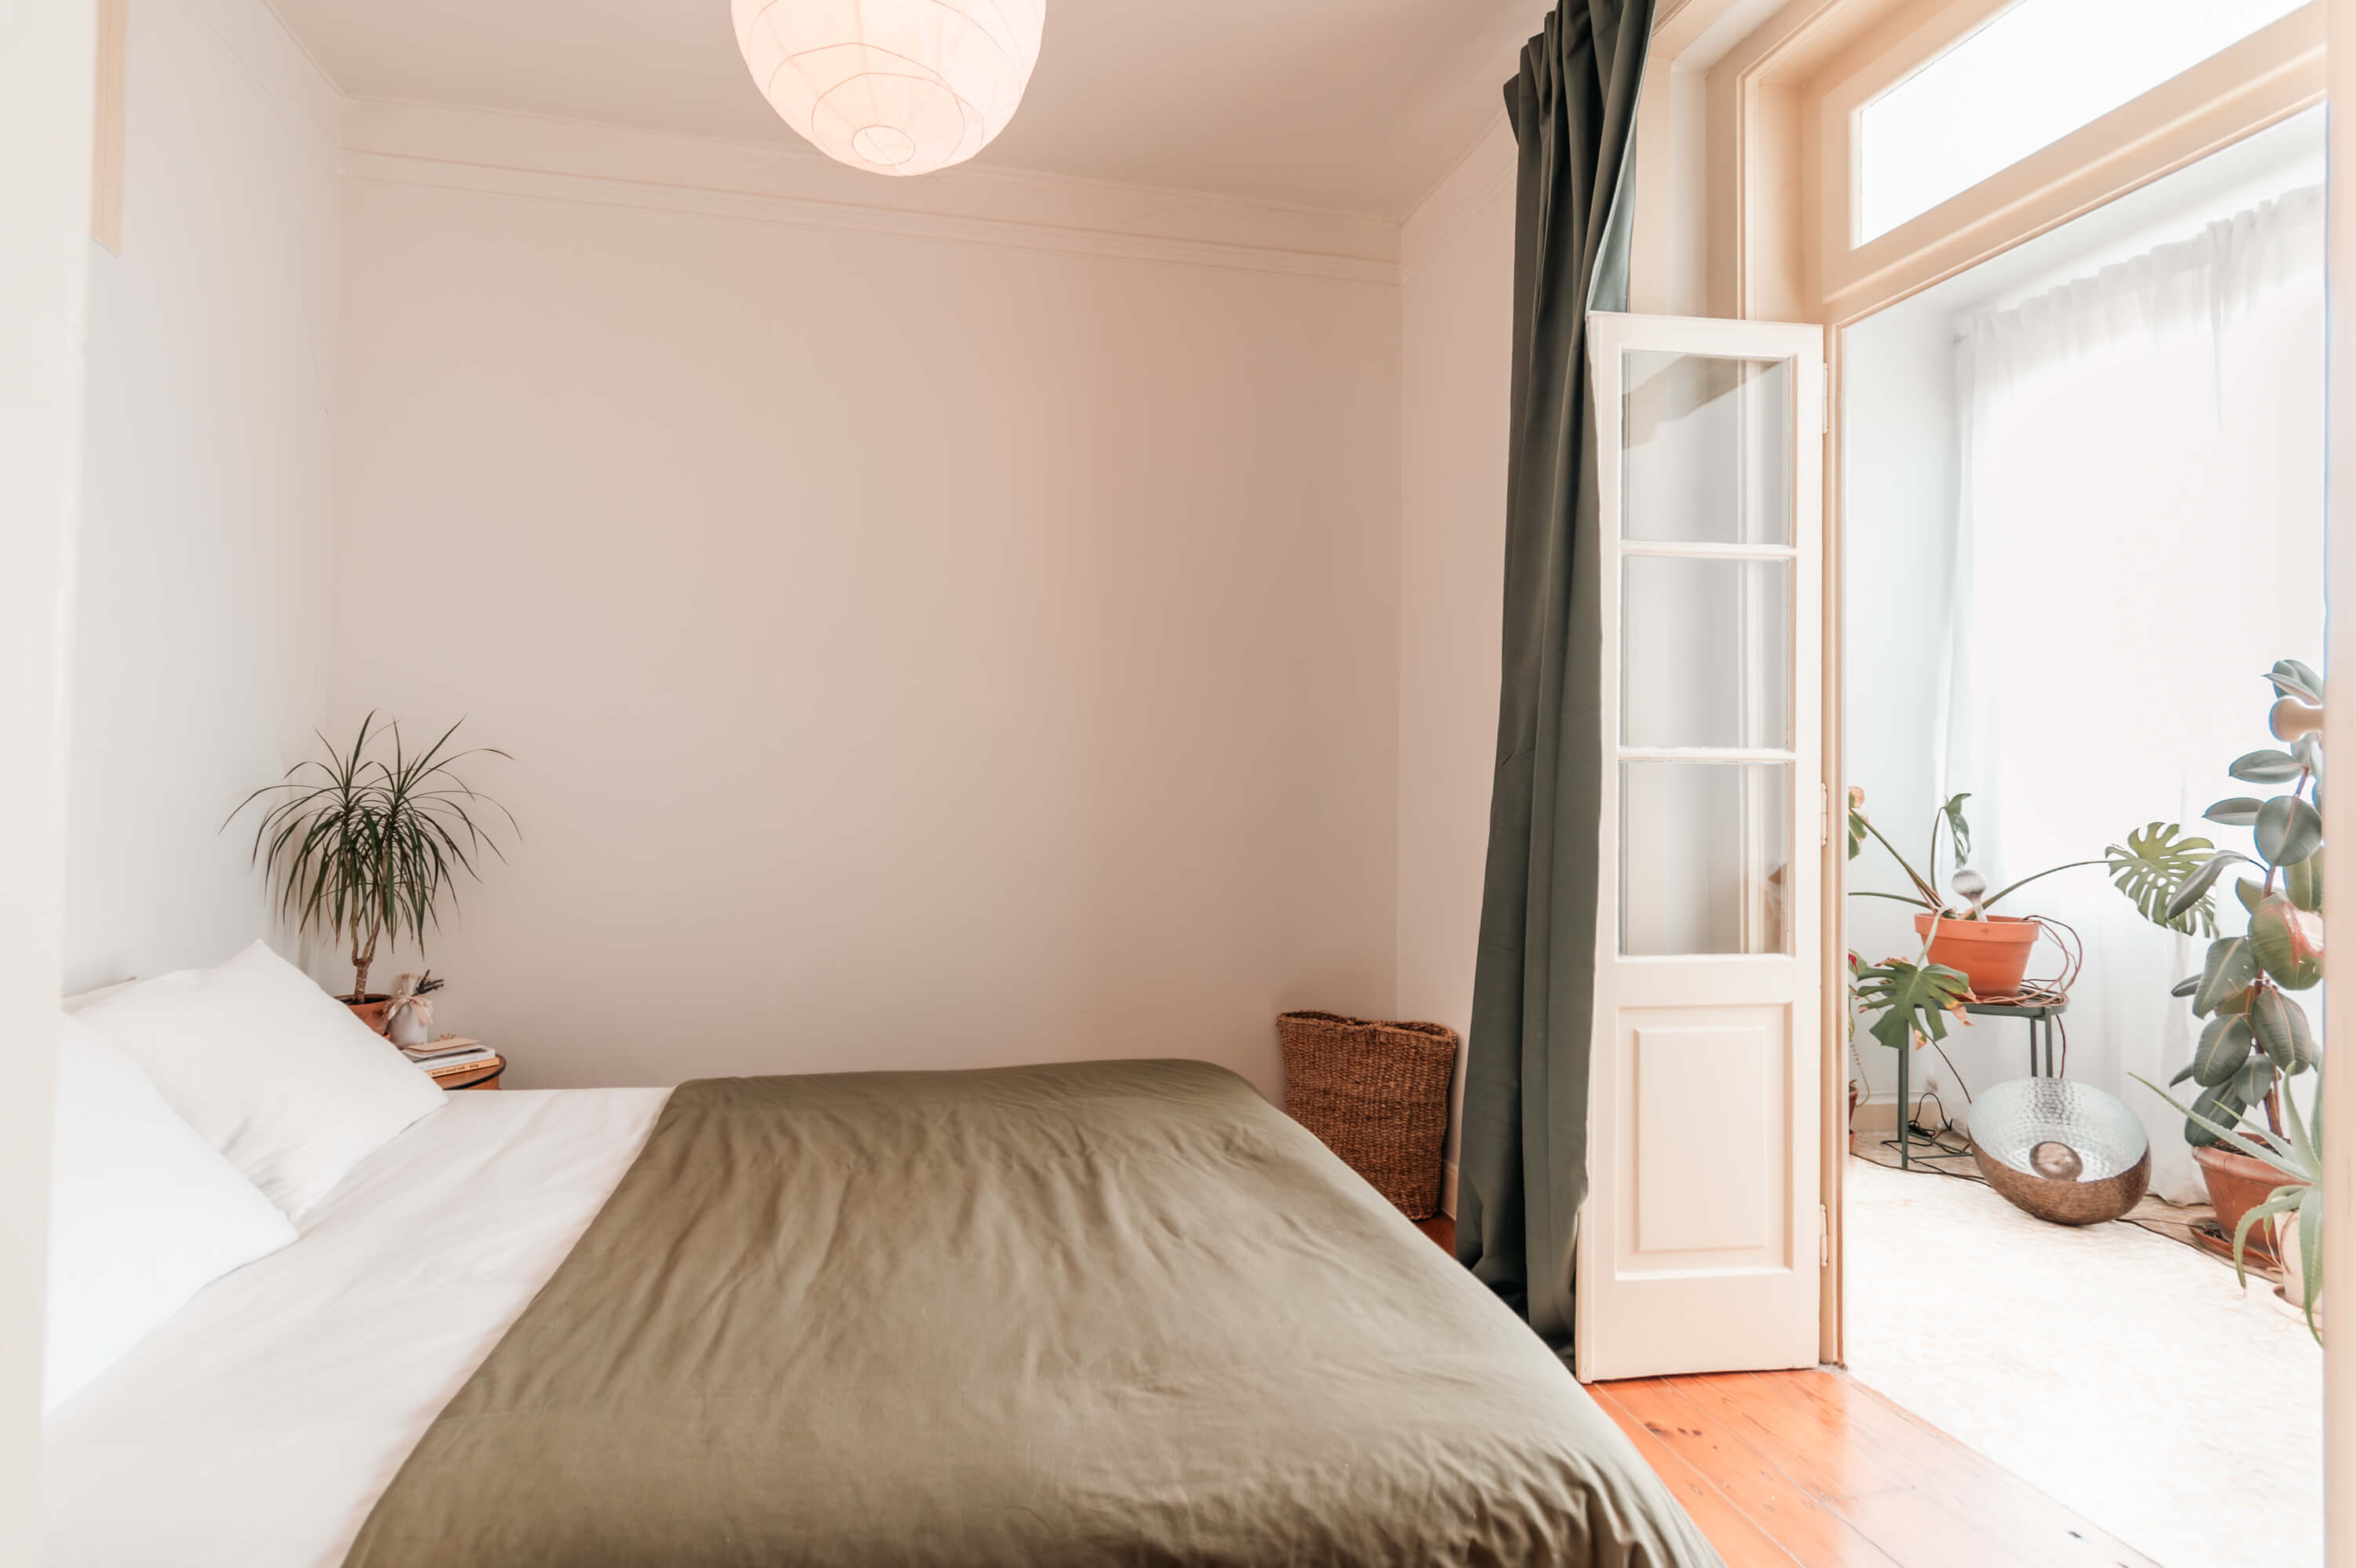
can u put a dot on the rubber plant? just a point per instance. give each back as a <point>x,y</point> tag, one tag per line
<point>360,844</point>
<point>2255,1035</point>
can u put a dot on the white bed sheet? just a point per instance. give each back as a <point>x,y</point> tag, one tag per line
<point>259,1427</point>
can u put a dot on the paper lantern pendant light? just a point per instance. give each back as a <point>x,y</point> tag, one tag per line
<point>895,87</point>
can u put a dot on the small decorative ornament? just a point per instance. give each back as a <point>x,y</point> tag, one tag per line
<point>409,1017</point>
<point>2061,1150</point>
<point>895,87</point>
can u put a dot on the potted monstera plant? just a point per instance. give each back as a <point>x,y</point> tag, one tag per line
<point>369,840</point>
<point>2254,1036</point>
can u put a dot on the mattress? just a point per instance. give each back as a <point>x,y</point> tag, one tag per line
<point>258,1427</point>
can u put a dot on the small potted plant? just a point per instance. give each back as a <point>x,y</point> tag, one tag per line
<point>1959,932</point>
<point>360,844</point>
<point>2254,1036</point>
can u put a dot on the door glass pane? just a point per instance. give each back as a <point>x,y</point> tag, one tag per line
<point>2038,72</point>
<point>1705,651</point>
<point>1707,448</point>
<point>1705,858</point>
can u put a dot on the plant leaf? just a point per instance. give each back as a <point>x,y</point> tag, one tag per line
<point>2152,865</point>
<point>2280,1200</point>
<point>2229,969</point>
<point>2267,766</point>
<point>2288,831</point>
<point>2223,1051</point>
<point>2216,1108</point>
<point>2287,941</point>
<point>1910,999</point>
<point>2302,1036</point>
<point>2186,986</point>
<point>2194,890</point>
<point>2310,1252</point>
<point>1959,832</point>
<point>2292,678</point>
<point>2240,811</point>
<point>2203,1130</point>
<point>2304,882</point>
<point>2269,1019</point>
<point>2249,892</point>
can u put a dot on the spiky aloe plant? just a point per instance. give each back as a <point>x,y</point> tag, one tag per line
<point>358,844</point>
<point>2298,1156</point>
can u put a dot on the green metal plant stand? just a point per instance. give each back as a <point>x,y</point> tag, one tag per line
<point>2040,1016</point>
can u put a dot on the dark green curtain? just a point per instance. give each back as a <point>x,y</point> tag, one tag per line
<point>1522,1169</point>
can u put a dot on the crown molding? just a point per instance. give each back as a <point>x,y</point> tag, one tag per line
<point>276,61</point>
<point>1484,171</point>
<point>499,152</point>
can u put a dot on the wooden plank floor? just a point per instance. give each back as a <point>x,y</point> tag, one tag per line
<point>1812,1469</point>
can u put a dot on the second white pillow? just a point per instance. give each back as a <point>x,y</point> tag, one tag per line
<point>143,1214</point>
<point>272,1072</point>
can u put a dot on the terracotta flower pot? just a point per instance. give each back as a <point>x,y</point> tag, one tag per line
<point>369,1008</point>
<point>2238,1184</point>
<point>1993,954</point>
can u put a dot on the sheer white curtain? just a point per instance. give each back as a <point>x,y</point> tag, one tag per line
<point>2140,537</point>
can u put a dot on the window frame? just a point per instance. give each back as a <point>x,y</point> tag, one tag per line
<point>2265,78</point>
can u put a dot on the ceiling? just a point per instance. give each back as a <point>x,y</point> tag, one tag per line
<point>1361,105</point>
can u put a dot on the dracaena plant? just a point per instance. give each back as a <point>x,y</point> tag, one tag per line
<point>361,844</point>
<point>2255,1035</point>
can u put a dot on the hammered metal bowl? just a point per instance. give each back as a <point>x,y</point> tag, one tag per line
<point>2061,1150</point>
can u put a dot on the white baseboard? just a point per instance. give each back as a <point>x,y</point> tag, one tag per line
<point>1877,1114</point>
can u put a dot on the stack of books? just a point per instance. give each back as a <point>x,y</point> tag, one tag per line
<point>451,1053</point>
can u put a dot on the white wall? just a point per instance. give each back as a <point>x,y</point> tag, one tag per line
<point>200,614</point>
<point>45,76</point>
<point>1899,492</point>
<point>1457,322</point>
<point>918,650</point>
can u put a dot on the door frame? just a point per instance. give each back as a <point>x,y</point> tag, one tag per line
<point>1743,155</point>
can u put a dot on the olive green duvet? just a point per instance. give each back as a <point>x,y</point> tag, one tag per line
<point>1096,1312</point>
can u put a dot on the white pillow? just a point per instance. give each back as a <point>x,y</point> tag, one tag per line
<point>81,999</point>
<point>143,1214</point>
<point>275,1074</point>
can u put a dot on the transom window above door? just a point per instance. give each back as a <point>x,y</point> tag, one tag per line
<point>2030,76</point>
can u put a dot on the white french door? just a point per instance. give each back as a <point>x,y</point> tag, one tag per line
<point>1700,1246</point>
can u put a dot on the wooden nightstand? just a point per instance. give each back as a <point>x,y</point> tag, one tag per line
<point>474,1075</point>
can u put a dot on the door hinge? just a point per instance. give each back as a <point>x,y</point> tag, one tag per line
<point>1824,1236</point>
<point>1824,815</point>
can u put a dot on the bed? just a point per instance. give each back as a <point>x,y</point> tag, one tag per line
<point>1114,1312</point>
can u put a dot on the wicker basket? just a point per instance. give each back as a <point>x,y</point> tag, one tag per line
<point>1377,1094</point>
